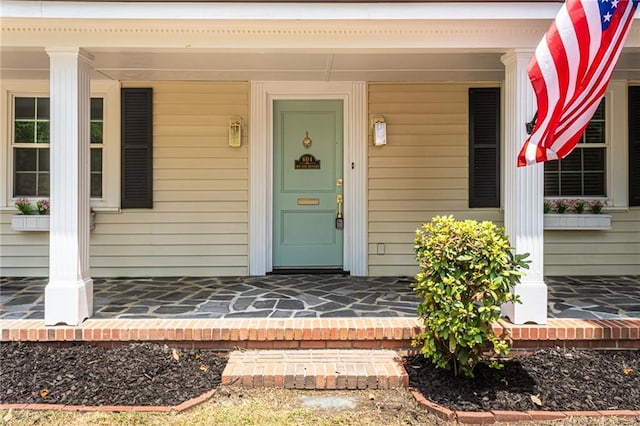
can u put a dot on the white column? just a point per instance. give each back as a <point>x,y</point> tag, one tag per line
<point>68,297</point>
<point>260,182</point>
<point>524,192</point>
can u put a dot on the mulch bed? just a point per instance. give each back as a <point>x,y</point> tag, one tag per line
<point>148,374</point>
<point>142,374</point>
<point>550,379</point>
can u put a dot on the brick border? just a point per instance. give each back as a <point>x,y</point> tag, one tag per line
<point>186,405</point>
<point>315,333</point>
<point>488,417</point>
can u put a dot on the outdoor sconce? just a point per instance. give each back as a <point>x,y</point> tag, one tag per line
<point>379,131</point>
<point>235,132</point>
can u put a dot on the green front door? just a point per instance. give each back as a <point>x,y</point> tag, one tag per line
<point>307,180</point>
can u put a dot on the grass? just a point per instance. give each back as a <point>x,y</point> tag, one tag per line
<point>272,407</point>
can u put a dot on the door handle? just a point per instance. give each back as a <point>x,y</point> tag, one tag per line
<point>339,218</point>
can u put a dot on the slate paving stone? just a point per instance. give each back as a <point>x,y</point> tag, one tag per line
<point>214,307</point>
<point>23,300</point>
<point>311,300</point>
<point>305,314</point>
<point>344,300</point>
<point>294,305</point>
<point>250,314</point>
<point>282,314</point>
<point>304,295</point>
<point>327,307</point>
<point>243,303</point>
<point>348,313</point>
<point>575,313</point>
<point>174,309</point>
<point>264,304</point>
<point>605,309</point>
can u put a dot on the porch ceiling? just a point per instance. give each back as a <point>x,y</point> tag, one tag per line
<point>296,65</point>
<point>291,65</point>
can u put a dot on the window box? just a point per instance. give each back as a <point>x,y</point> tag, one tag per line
<point>570,221</point>
<point>38,222</point>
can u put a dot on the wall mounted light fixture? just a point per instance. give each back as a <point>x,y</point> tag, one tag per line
<point>235,132</point>
<point>379,131</point>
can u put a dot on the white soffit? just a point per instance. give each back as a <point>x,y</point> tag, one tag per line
<point>278,11</point>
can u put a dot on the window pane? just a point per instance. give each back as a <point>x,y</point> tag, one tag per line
<point>570,184</point>
<point>43,184</point>
<point>43,132</point>
<point>25,108</point>
<point>593,159</point>
<point>96,131</point>
<point>572,162</point>
<point>594,184</point>
<point>43,108</point>
<point>551,184</point>
<point>96,109</point>
<point>595,133</point>
<point>25,184</point>
<point>43,159</point>
<point>599,114</point>
<point>25,131</point>
<point>551,166</point>
<point>96,185</point>
<point>96,159</point>
<point>26,159</point>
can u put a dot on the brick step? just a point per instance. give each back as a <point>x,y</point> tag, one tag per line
<point>316,369</point>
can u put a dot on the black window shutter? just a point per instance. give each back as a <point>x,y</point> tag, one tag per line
<point>484,147</point>
<point>634,145</point>
<point>137,148</point>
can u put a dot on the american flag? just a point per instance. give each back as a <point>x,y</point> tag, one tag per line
<point>570,71</point>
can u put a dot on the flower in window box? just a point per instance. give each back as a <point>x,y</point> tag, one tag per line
<point>561,206</point>
<point>548,206</point>
<point>597,206</point>
<point>43,206</point>
<point>24,206</point>
<point>578,206</point>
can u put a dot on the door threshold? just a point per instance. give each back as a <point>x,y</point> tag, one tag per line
<point>308,271</point>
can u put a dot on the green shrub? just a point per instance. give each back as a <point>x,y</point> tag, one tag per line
<point>467,270</point>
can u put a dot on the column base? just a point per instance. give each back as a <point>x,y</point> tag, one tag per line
<point>68,303</point>
<point>533,308</point>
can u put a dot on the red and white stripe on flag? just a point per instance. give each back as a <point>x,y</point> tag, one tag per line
<point>570,71</point>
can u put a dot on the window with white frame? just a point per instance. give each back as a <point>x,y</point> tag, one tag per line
<point>583,173</point>
<point>31,144</point>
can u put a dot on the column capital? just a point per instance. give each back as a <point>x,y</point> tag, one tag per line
<point>75,51</point>
<point>517,54</point>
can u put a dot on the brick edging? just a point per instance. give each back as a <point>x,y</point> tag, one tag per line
<point>344,333</point>
<point>484,417</point>
<point>186,405</point>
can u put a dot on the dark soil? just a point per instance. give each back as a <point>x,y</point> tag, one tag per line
<point>136,374</point>
<point>558,379</point>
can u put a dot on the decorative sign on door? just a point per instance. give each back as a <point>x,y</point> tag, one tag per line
<point>307,162</point>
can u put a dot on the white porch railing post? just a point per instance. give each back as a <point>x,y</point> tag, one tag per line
<point>524,192</point>
<point>68,295</point>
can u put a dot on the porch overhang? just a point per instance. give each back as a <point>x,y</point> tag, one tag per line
<point>431,41</point>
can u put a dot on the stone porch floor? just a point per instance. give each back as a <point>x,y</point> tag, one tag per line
<point>300,296</point>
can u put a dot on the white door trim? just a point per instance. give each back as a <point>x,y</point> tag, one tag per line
<point>353,94</point>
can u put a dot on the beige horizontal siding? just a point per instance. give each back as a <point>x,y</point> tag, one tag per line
<point>422,172</point>
<point>198,225</point>
<point>612,252</point>
<point>199,221</point>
